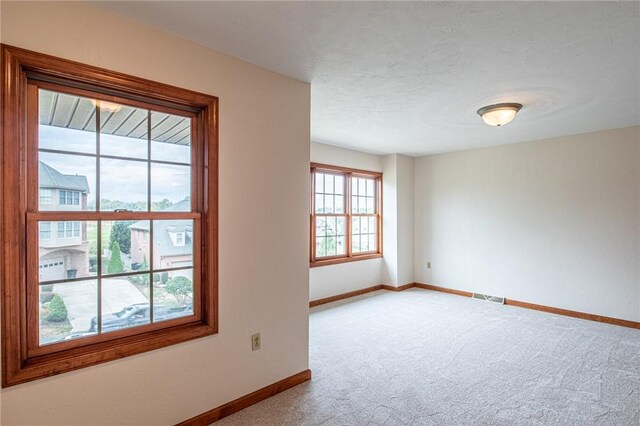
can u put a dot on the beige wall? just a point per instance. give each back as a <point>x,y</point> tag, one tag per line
<point>554,222</point>
<point>264,157</point>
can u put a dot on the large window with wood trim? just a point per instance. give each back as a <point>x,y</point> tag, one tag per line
<point>346,219</point>
<point>109,187</point>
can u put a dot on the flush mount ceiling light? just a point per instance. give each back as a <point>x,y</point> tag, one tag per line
<point>499,114</point>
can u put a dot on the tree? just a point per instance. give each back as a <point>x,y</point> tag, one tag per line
<point>161,205</point>
<point>57,310</point>
<point>121,233</point>
<point>115,265</point>
<point>181,288</point>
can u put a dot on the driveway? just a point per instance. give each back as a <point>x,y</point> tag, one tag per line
<point>80,297</point>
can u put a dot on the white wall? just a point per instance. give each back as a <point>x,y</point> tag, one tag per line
<point>331,280</point>
<point>335,156</point>
<point>397,221</point>
<point>553,222</point>
<point>264,169</point>
<point>405,215</point>
<point>325,281</point>
<point>390,220</point>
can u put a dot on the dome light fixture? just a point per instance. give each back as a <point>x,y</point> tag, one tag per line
<point>499,114</point>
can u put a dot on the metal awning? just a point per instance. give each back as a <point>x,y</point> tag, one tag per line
<point>74,112</point>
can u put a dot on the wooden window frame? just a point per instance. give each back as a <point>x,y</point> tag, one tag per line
<point>349,256</point>
<point>21,362</point>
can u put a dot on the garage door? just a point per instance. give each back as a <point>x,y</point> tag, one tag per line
<point>52,269</point>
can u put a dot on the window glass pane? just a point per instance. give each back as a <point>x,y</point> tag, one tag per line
<point>172,294</point>
<point>339,184</point>
<point>320,203</point>
<point>355,225</point>
<point>67,250</point>
<point>172,243</point>
<point>339,204</point>
<point>66,182</point>
<point>67,122</point>
<point>356,243</point>
<point>371,205</point>
<point>354,186</point>
<point>125,302</point>
<point>45,230</point>
<point>328,203</point>
<point>362,186</point>
<point>46,197</point>
<point>170,137</point>
<point>330,236</point>
<point>364,234</point>
<point>66,310</point>
<point>321,236</point>
<point>365,242</point>
<point>356,233</point>
<point>123,131</point>
<point>328,184</point>
<point>170,187</point>
<point>319,182</point>
<point>125,246</point>
<point>123,185</point>
<point>371,188</point>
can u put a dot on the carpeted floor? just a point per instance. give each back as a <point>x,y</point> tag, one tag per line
<point>420,357</point>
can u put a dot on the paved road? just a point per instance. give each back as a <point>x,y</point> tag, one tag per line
<point>81,297</point>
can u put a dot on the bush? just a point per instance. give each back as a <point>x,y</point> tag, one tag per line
<point>57,310</point>
<point>164,277</point>
<point>181,288</point>
<point>47,287</point>
<point>141,279</point>
<point>46,296</point>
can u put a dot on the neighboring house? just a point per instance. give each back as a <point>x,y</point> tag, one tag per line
<point>64,248</point>
<point>173,241</point>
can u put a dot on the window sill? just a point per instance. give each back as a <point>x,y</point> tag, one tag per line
<point>47,365</point>
<point>339,260</point>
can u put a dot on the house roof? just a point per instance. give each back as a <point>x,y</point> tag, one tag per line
<point>163,244</point>
<point>51,178</point>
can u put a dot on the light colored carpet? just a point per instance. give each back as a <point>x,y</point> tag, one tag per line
<point>419,357</point>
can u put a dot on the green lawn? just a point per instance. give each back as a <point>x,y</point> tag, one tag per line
<point>92,236</point>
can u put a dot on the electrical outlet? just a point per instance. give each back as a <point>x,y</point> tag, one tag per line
<point>428,265</point>
<point>255,342</point>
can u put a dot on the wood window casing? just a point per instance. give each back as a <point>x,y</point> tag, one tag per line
<point>22,73</point>
<point>349,256</point>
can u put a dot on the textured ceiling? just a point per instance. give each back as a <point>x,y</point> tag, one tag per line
<point>401,77</point>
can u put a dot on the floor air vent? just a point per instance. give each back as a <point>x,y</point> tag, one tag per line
<point>488,298</point>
